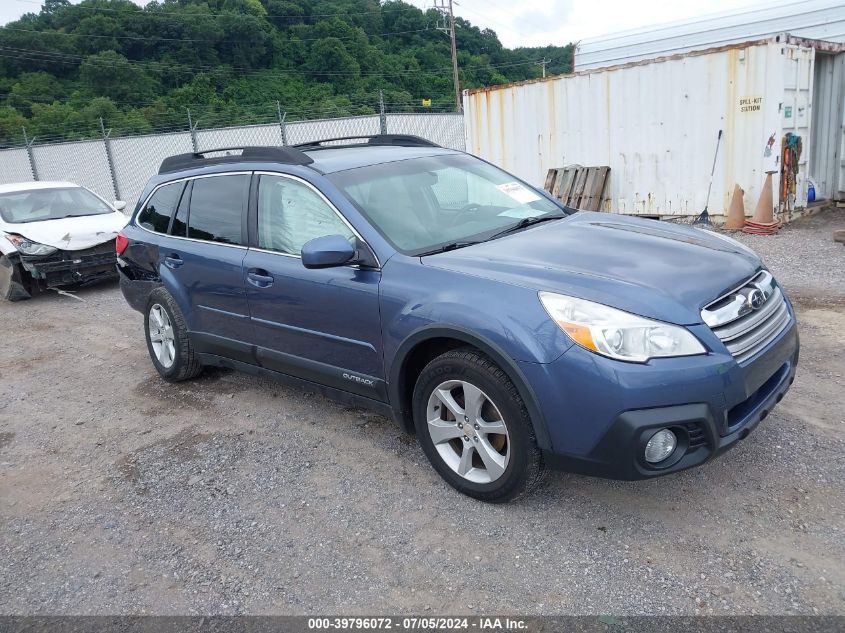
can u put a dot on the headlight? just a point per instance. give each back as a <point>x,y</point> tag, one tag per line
<point>28,247</point>
<point>618,334</point>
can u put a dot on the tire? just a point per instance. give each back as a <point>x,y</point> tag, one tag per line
<point>167,339</point>
<point>13,286</point>
<point>443,389</point>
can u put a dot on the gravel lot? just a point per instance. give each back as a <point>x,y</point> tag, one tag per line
<point>120,493</point>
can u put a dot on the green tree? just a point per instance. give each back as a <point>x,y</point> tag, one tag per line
<point>139,68</point>
<point>11,124</point>
<point>110,74</point>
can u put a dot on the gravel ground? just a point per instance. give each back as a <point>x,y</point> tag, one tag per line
<point>120,493</point>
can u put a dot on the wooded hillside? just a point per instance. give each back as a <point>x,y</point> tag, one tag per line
<point>230,61</point>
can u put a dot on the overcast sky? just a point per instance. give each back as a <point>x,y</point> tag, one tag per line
<point>536,22</point>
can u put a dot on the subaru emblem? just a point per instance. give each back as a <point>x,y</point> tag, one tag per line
<point>755,299</point>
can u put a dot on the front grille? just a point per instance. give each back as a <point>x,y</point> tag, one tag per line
<point>100,255</point>
<point>747,330</point>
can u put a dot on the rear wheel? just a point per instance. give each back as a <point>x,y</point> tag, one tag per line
<point>167,339</point>
<point>474,427</point>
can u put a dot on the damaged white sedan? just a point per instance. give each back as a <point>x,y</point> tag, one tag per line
<point>55,234</point>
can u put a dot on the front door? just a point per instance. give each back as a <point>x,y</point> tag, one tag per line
<point>321,325</point>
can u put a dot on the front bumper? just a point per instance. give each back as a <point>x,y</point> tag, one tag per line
<point>600,413</point>
<point>73,267</point>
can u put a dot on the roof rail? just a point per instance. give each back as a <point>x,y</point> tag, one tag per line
<point>287,155</point>
<point>397,140</point>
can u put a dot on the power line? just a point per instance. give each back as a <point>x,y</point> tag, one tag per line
<point>211,14</point>
<point>70,58</point>
<point>183,39</point>
<point>543,62</point>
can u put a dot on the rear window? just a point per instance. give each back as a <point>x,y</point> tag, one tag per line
<point>38,205</point>
<point>217,207</point>
<point>155,216</point>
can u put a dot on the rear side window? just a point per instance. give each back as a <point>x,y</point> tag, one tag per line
<point>217,207</point>
<point>155,216</point>
<point>180,221</point>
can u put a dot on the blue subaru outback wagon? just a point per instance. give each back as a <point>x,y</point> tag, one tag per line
<point>510,333</point>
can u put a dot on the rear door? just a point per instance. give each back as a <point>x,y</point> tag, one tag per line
<point>201,263</point>
<point>322,325</point>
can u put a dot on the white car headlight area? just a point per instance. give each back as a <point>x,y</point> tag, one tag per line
<point>28,247</point>
<point>618,334</point>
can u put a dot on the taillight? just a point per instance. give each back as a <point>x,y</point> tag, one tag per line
<point>120,243</point>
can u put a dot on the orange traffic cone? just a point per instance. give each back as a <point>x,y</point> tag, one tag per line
<point>736,212</point>
<point>763,222</point>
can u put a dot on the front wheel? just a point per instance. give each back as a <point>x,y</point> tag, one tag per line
<point>474,427</point>
<point>13,281</point>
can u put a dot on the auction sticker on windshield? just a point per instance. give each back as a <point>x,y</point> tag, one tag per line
<point>521,194</point>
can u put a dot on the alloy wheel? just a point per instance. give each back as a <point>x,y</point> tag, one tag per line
<point>162,338</point>
<point>468,431</point>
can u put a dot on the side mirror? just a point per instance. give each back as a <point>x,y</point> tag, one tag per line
<point>327,252</point>
<point>120,205</point>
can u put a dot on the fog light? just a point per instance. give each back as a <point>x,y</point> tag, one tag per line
<point>660,446</point>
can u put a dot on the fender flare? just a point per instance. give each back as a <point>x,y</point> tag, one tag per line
<point>496,353</point>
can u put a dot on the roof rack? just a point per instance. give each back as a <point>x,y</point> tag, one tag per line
<point>396,140</point>
<point>287,155</point>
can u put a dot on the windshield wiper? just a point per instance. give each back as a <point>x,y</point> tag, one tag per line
<point>449,247</point>
<point>524,223</point>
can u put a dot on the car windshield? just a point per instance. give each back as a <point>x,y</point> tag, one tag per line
<point>37,205</point>
<point>422,204</point>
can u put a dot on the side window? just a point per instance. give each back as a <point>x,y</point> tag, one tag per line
<point>217,206</point>
<point>155,216</point>
<point>180,220</point>
<point>291,213</point>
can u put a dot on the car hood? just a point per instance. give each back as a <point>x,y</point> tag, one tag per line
<point>658,270</point>
<point>72,234</point>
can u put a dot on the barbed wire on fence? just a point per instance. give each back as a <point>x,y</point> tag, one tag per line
<point>119,166</point>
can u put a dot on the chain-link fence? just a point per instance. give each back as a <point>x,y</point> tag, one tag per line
<point>118,168</point>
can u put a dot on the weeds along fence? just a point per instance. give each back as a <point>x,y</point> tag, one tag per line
<point>118,168</point>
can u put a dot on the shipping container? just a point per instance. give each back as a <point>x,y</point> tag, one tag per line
<point>656,124</point>
<point>813,19</point>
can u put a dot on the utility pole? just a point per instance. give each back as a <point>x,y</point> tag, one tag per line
<point>543,63</point>
<point>445,7</point>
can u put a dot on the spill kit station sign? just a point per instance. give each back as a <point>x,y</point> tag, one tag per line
<point>750,104</point>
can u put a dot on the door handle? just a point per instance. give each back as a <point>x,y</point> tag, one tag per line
<point>259,278</point>
<point>173,261</point>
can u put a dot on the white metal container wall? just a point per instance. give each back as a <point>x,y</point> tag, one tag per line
<point>654,124</point>
<point>816,19</point>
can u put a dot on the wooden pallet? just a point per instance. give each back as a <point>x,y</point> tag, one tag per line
<point>578,187</point>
